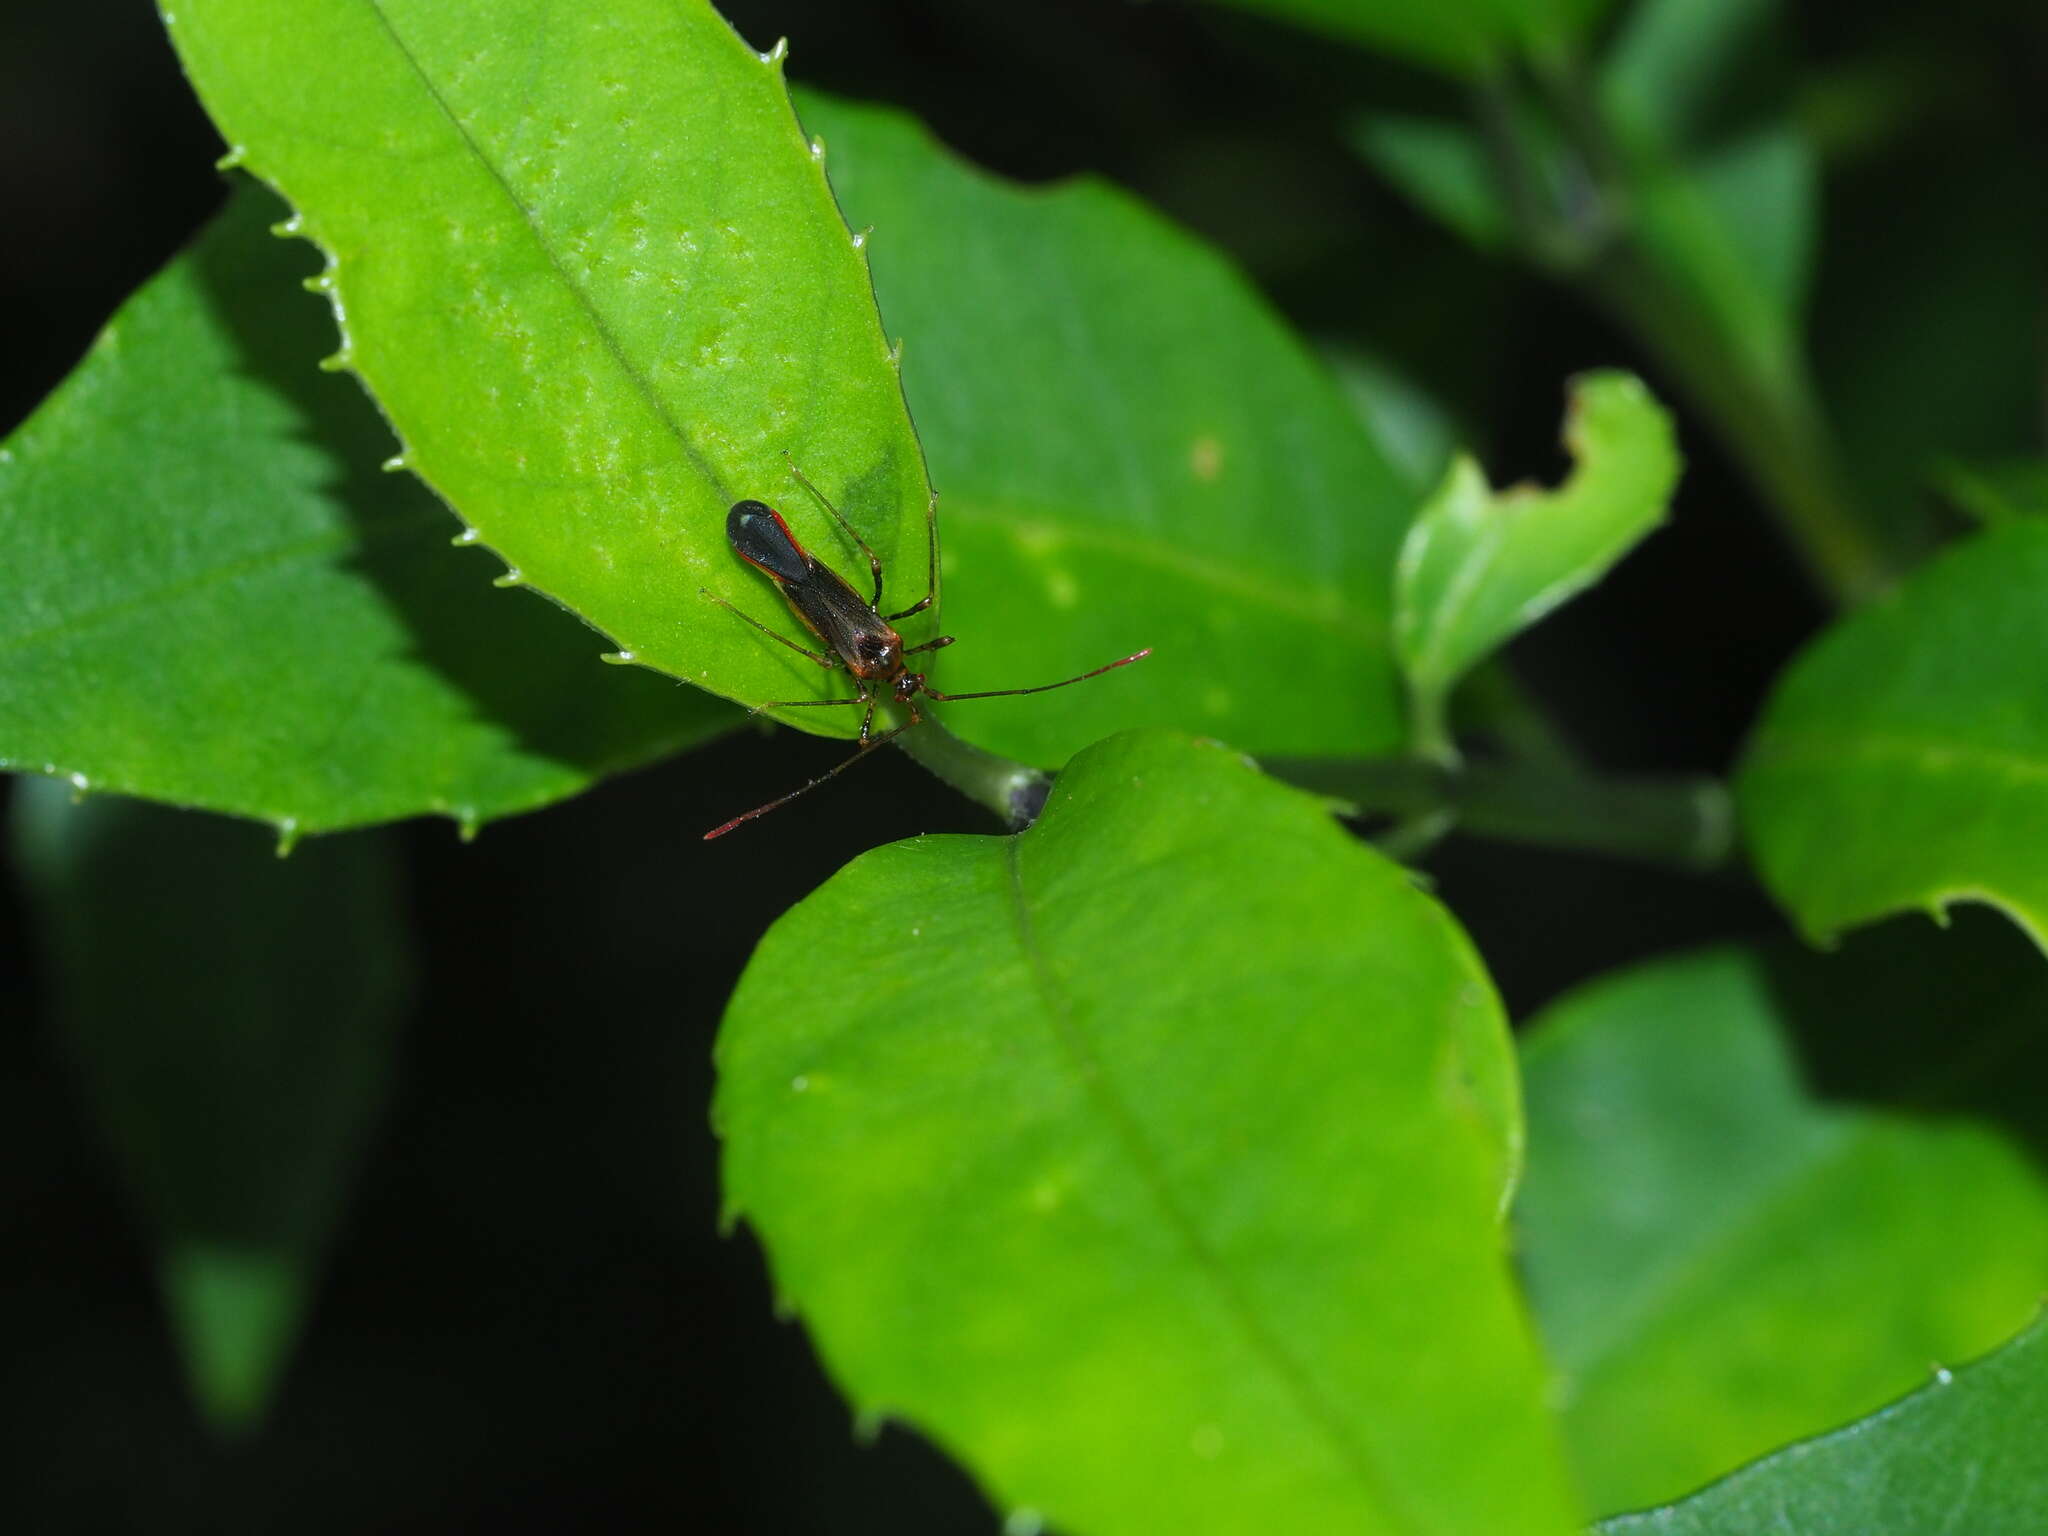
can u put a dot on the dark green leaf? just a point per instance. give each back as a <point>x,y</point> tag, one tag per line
<point>1902,761</point>
<point>1460,37</point>
<point>231,1018</point>
<point>212,597</point>
<point>1131,450</point>
<point>1001,1112</point>
<point>1765,1191</point>
<point>1999,491</point>
<point>591,270</point>
<point>1445,168</point>
<point>1965,1454</point>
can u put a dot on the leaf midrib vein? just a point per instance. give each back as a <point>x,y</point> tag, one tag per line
<point>636,376</point>
<point>1087,1066</point>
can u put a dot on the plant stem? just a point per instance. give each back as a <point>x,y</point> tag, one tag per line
<point>1014,791</point>
<point>1687,823</point>
<point>1744,373</point>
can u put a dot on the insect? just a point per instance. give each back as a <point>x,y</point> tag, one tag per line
<point>858,635</point>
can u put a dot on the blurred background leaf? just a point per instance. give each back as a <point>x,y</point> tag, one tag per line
<point>231,1018</point>
<point>1461,37</point>
<point>1767,1189</point>
<point>1964,1454</point>
<point>213,598</point>
<point>1902,762</point>
<point>991,1104</point>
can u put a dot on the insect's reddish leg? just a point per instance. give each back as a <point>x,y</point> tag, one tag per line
<point>931,564</point>
<point>930,645</point>
<point>1002,693</point>
<point>831,773</point>
<point>818,656</point>
<point>853,533</point>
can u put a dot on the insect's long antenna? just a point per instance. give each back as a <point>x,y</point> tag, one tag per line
<point>997,693</point>
<point>830,773</point>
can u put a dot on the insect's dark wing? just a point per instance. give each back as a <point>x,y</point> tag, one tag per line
<point>760,537</point>
<point>836,613</point>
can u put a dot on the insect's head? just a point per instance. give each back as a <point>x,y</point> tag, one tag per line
<point>908,686</point>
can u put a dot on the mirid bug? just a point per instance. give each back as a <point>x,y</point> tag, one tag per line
<point>861,638</point>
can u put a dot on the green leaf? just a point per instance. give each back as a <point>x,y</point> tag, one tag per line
<point>1998,491</point>
<point>591,270</point>
<point>994,1109</point>
<point>1444,167</point>
<point>1131,450</point>
<point>1479,566</point>
<point>1765,1190</point>
<point>230,1015</point>
<point>1902,761</point>
<point>1459,37</point>
<point>1964,1454</point>
<point>212,597</point>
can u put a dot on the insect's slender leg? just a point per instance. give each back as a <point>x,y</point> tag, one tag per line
<point>802,704</point>
<point>930,645</point>
<point>820,657</point>
<point>998,693</point>
<point>931,562</point>
<point>831,773</point>
<point>853,533</point>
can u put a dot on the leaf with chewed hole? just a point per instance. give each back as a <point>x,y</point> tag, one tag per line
<point>589,266</point>
<point>1151,1162</point>
<point>212,597</point>
<point>1902,761</point>
<point>1766,1188</point>
<point>1479,566</point>
<point>230,1015</point>
<point>1131,450</point>
<point>1963,1454</point>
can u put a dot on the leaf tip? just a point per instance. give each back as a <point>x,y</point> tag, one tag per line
<point>289,229</point>
<point>338,362</point>
<point>465,539</point>
<point>393,465</point>
<point>513,577</point>
<point>287,835</point>
<point>467,822</point>
<point>774,57</point>
<point>619,658</point>
<point>232,159</point>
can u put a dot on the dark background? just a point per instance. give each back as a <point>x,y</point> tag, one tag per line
<point>529,1316</point>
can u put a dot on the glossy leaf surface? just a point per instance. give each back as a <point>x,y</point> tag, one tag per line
<point>1963,1454</point>
<point>213,598</point>
<point>593,275</point>
<point>1479,565</point>
<point>1040,1184</point>
<point>230,1016</point>
<point>1109,475</point>
<point>1902,761</point>
<point>1766,1190</point>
